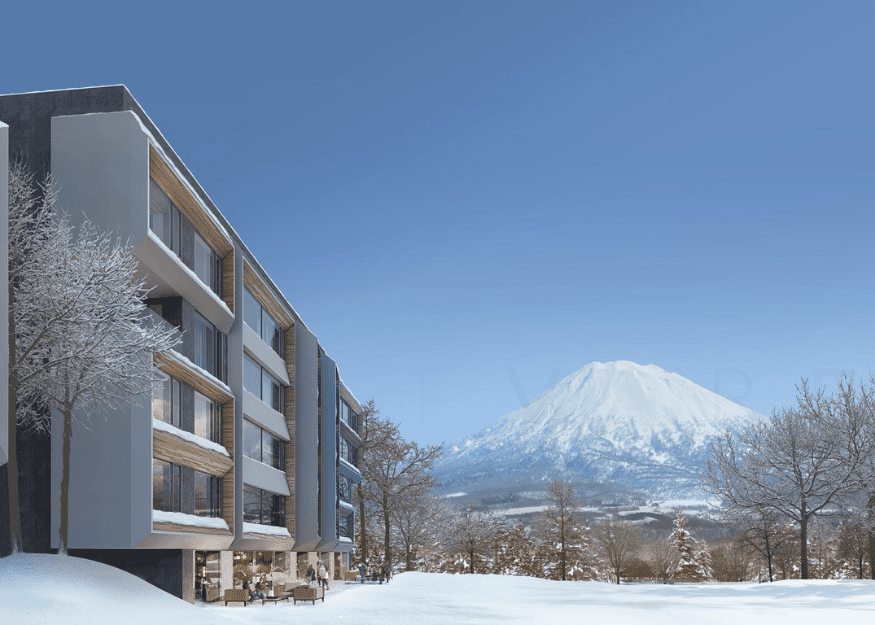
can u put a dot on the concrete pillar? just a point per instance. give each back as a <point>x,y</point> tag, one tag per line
<point>226,571</point>
<point>188,575</point>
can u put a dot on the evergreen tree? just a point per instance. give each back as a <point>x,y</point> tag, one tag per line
<point>688,568</point>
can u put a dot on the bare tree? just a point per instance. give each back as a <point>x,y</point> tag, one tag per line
<point>30,226</point>
<point>414,520</point>
<point>474,532</point>
<point>763,532</point>
<point>396,471</point>
<point>853,544</point>
<point>375,434</point>
<point>81,330</point>
<point>103,358</point>
<point>800,463</point>
<point>619,540</point>
<point>558,520</point>
<point>663,558</point>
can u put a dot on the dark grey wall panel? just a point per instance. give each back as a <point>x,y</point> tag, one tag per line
<point>328,492</point>
<point>306,439</point>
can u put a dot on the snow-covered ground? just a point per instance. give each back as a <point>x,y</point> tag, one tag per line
<point>38,589</point>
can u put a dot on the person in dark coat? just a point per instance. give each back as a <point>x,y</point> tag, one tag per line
<point>386,572</point>
<point>363,571</point>
<point>311,574</point>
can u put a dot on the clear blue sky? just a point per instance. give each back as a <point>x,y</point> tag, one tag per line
<point>485,196</point>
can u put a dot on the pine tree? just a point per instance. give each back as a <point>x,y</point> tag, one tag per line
<point>688,568</point>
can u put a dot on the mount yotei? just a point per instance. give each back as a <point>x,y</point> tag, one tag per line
<point>618,427</point>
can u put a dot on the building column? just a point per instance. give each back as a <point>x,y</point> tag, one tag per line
<point>226,571</point>
<point>188,575</point>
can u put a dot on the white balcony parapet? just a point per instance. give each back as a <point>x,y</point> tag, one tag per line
<point>158,424</point>
<point>179,518</point>
<point>271,530</point>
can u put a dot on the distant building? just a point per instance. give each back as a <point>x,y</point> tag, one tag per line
<point>244,462</point>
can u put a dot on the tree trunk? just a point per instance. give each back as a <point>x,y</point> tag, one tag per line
<point>803,543</point>
<point>12,466</point>
<point>65,481</point>
<point>363,540</point>
<point>769,554</point>
<point>471,560</point>
<point>387,553</point>
<point>871,507</point>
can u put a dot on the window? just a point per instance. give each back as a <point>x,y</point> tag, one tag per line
<point>344,488</point>
<point>207,418</point>
<point>207,495</point>
<point>348,416</point>
<point>265,326</point>
<point>165,220</point>
<point>344,525</point>
<point>209,348</point>
<point>207,265</point>
<point>166,486</point>
<point>263,507</point>
<point>261,445</point>
<point>349,452</point>
<point>167,400</point>
<point>262,384</point>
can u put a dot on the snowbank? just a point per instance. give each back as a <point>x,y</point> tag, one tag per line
<point>38,589</point>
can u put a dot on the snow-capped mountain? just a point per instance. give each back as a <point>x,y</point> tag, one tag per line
<point>637,426</point>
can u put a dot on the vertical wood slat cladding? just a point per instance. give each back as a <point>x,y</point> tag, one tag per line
<point>228,480</point>
<point>263,294</point>
<point>164,175</point>
<point>228,281</point>
<point>290,422</point>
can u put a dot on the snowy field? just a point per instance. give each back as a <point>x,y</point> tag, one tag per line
<point>38,589</point>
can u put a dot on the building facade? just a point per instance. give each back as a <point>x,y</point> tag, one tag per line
<point>242,462</point>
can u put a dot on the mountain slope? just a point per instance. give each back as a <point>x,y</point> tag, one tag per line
<point>640,426</point>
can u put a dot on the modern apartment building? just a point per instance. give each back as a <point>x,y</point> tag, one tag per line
<point>243,461</point>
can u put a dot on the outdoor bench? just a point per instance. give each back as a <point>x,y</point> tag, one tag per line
<point>308,593</point>
<point>236,594</point>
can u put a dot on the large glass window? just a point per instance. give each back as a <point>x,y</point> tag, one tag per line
<point>263,507</point>
<point>344,525</point>
<point>207,264</point>
<point>207,418</point>
<point>348,416</point>
<point>263,324</point>
<point>261,445</point>
<point>262,384</point>
<point>167,400</point>
<point>209,347</point>
<point>207,495</point>
<point>164,218</point>
<point>344,488</point>
<point>348,452</point>
<point>251,440</point>
<point>166,486</point>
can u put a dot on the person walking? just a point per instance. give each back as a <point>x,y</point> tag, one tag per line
<point>323,575</point>
<point>387,571</point>
<point>311,574</point>
<point>363,571</point>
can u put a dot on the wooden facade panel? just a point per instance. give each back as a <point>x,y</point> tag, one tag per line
<point>228,281</point>
<point>200,383</point>
<point>188,529</point>
<point>228,480</point>
<point>259,289</point>
<point>178,192</point>
<point>171,448</point>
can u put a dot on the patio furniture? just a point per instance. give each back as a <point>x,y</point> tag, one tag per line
<point>278,594</point>
<point>236,594</point>
<point>308,593</point>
